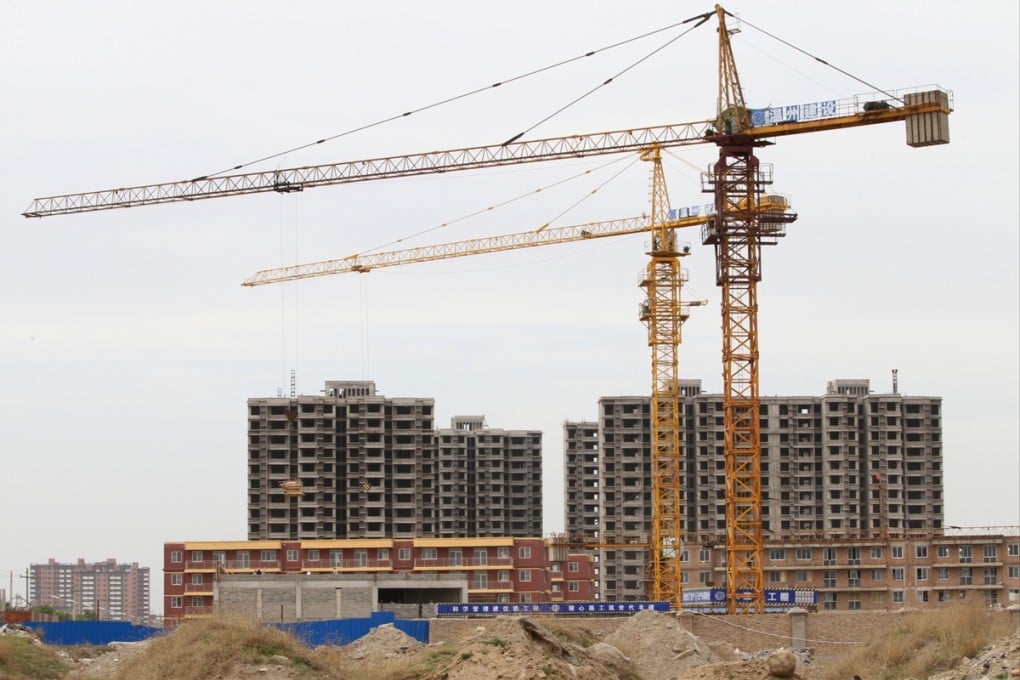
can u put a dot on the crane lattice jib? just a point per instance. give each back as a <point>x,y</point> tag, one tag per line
<point>490,244</point>
<point>845,114</point>
<point>732,115</point>
<point>297,179</point>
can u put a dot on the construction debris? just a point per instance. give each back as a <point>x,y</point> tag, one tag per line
<point>383,642</point>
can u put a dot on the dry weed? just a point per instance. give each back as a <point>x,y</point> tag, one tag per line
<point>214,647</point>
<point>922,644</point>
<point>578,635</point>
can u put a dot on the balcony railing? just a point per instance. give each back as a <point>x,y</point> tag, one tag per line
<point>198,611</point>
<point>250,565</point>
<point>462,563</point>
<point>338,565</point>
<point>492,586</point>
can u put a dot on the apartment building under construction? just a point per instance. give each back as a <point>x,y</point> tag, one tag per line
<point>352,463</point>
<point>849,463</point>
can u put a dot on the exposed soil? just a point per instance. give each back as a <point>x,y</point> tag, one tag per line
<point>107,663</point>
<point>648,646</point>
<point>1000,660</point>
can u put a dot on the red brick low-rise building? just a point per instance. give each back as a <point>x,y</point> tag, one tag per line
<point>507,569</point>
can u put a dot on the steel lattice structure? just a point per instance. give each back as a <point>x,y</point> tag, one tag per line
<point>663,316</point>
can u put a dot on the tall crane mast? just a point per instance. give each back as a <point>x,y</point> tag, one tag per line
<point>662,284</point>
<point>737,180</point>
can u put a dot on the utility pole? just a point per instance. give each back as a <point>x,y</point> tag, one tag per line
<point>28,585</point>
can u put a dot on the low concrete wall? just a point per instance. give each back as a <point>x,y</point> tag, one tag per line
<point>826,632</point>
<point>285,598</point>
<point>410,610</point>
<point>595,627</point>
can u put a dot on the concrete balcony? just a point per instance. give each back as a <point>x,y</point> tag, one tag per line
<point>231,566</point>
<point>346,565</point>
<point>464,563</point>
<point>198,612</point>
<point>493,587</point>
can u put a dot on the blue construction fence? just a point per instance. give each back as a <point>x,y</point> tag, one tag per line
<point>311,633</point>
<point>345,631</point>
<point>66,633</point>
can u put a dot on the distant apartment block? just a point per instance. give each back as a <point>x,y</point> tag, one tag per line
<point>848,463</point>
<point>394,572</point>
<point>108,590</point>
<point>352,463</point>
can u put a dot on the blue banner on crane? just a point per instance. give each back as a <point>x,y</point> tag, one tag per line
<point>691,211</point>
<point>774,115</point>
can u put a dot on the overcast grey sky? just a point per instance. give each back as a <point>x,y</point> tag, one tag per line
<point>128,347</point>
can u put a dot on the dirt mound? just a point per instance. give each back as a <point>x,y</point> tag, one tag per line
<point>647,646</point>
<point>1000,659</point>
<point>728,670</point>
<point>521,648</point>
<point>659,646</point>
<point>107,661</point>
<point>383,642</point>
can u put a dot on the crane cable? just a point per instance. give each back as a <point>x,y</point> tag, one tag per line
<point>589,194</point>
<point>703,18</point>
<point>501,204</point>
<point>598,87</point>
<point>817,58</point>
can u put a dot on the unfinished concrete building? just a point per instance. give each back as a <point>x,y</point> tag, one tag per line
<point>490,480</point>
<point>353,463</point>
<point>581,467</point>
<point>848,463</point>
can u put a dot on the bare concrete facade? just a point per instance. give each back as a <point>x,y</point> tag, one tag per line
<point>288,598</point>
<point>848,463</point>
<point>368,466</point>
<point>490,480</point>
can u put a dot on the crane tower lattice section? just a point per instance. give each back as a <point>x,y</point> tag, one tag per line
<point>662,312</point>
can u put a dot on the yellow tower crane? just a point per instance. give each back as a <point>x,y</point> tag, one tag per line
<point>663,312</point>
<point>737,182</point>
